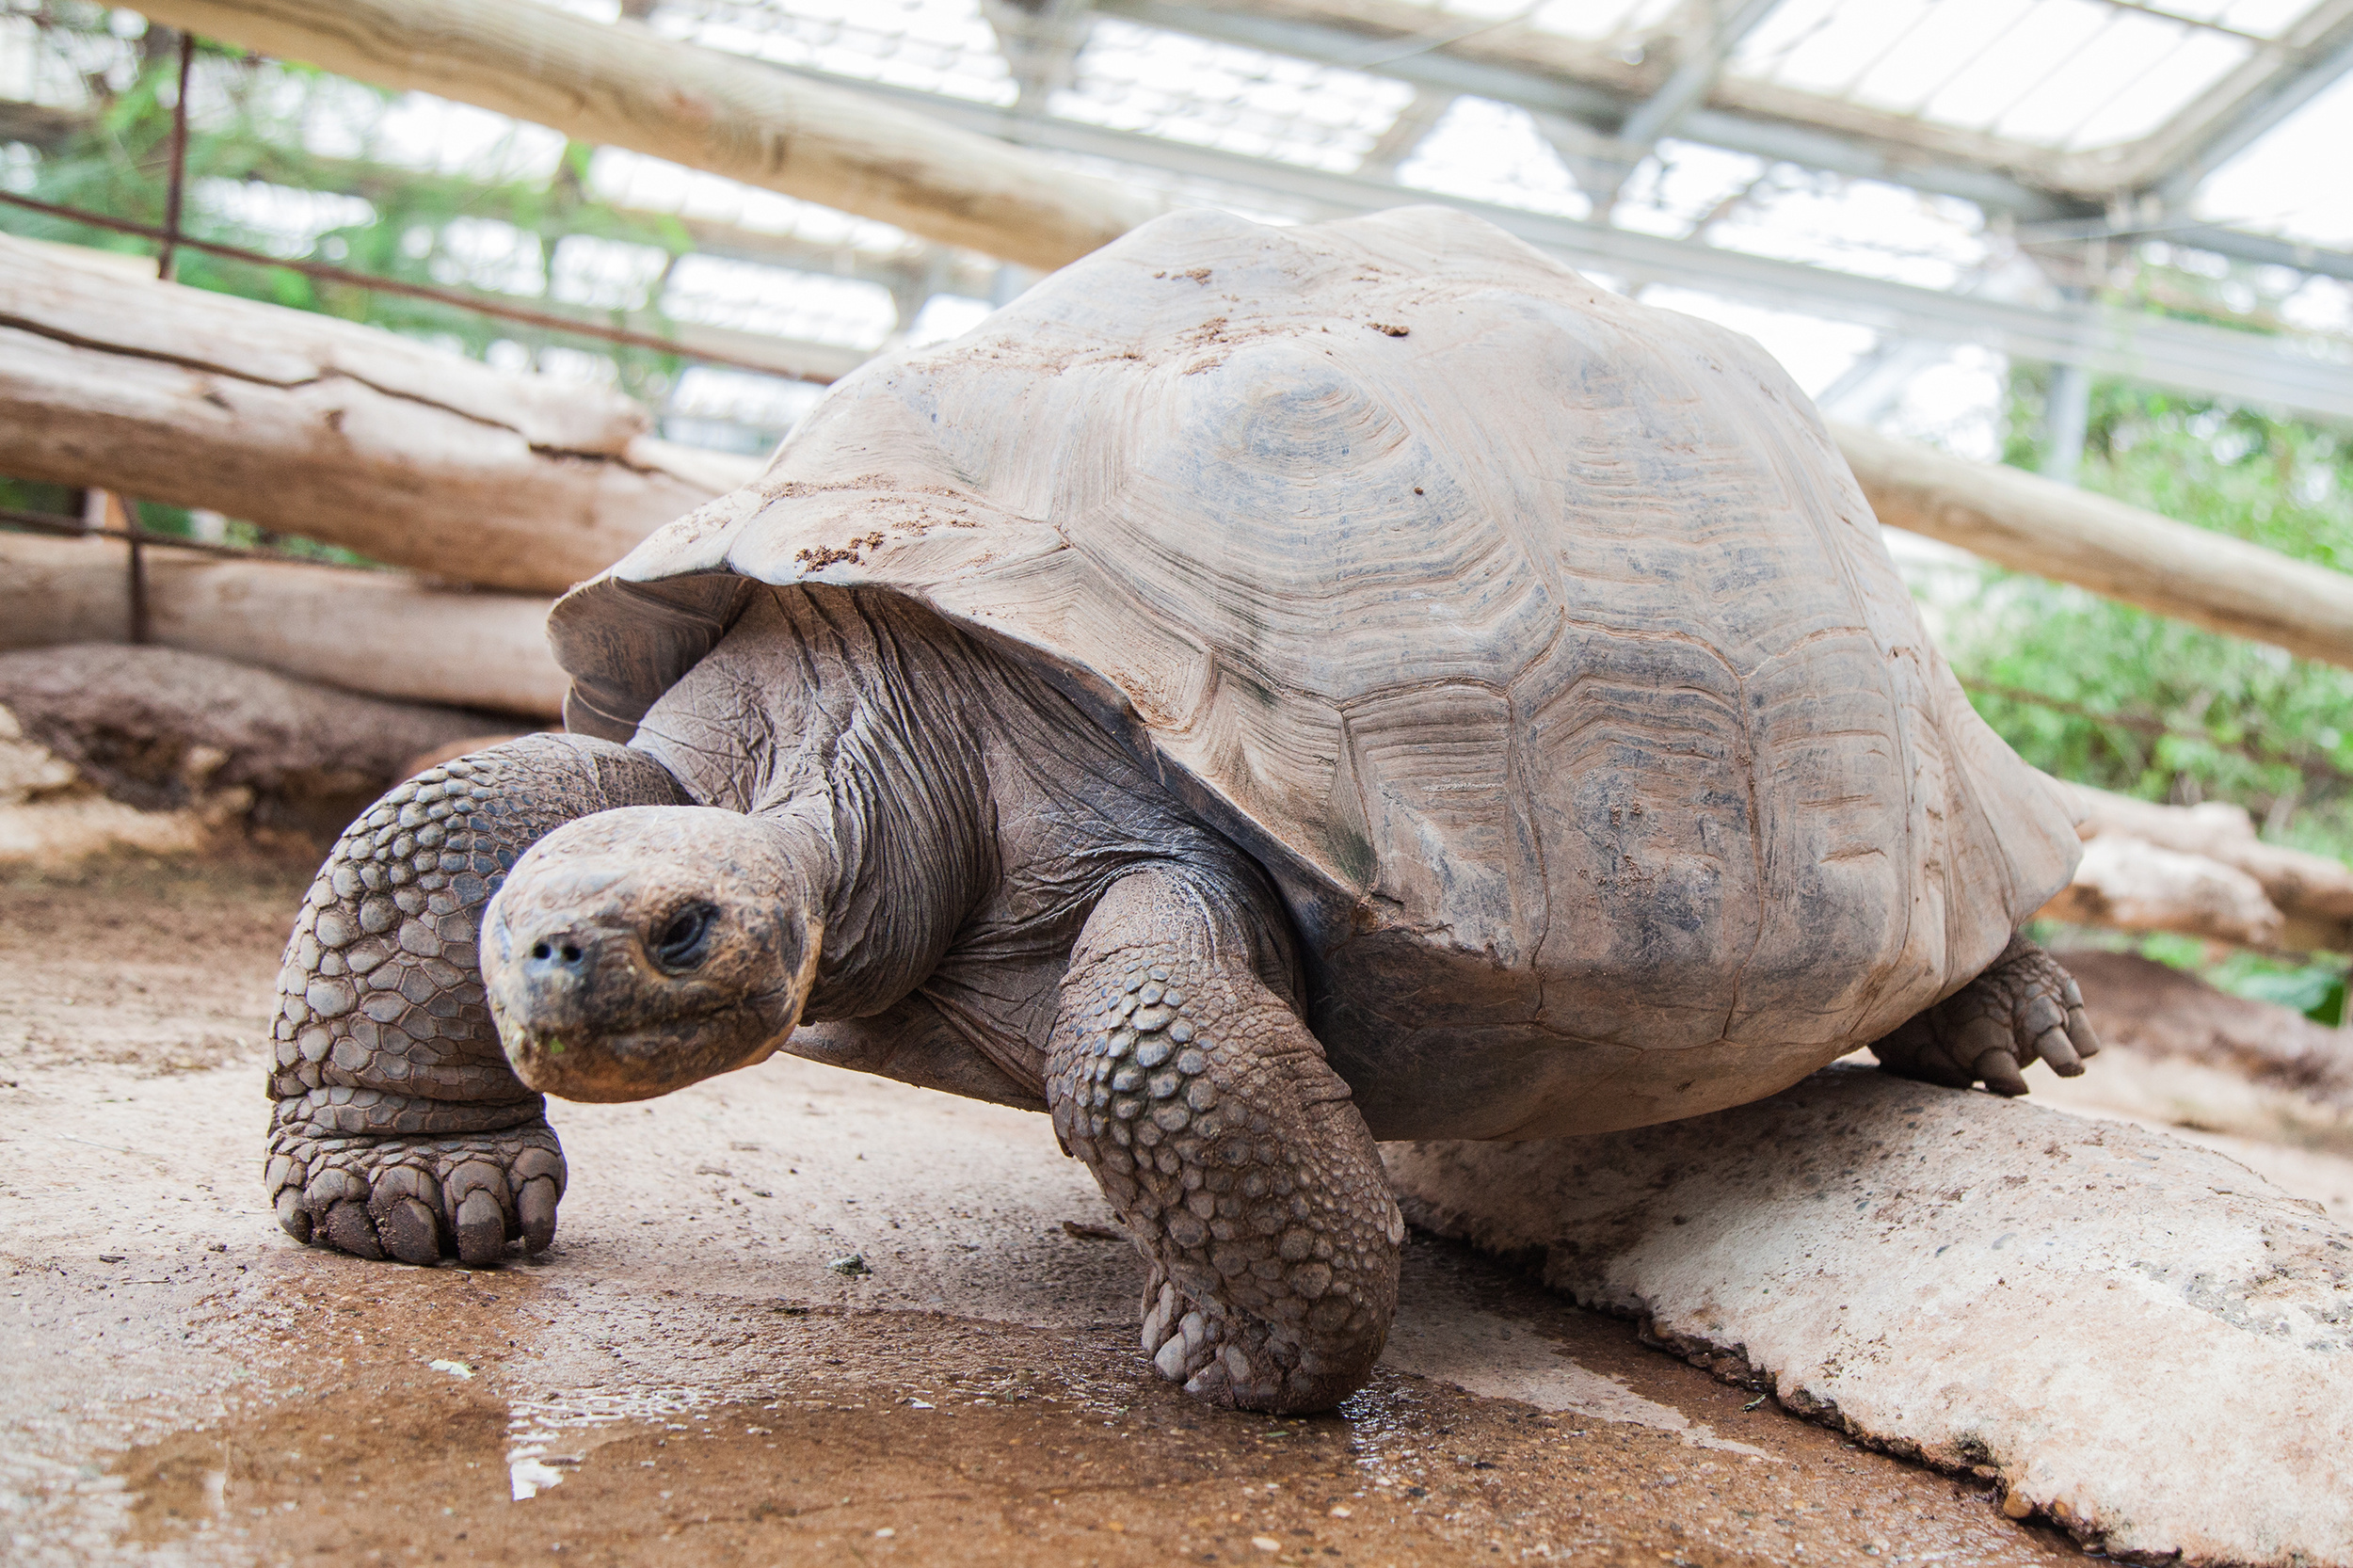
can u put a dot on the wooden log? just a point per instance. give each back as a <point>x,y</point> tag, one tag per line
<point>621,85</point>
<point>57,591</point>
<point>160,726</point>
<point>2140,887</point>
<point>383,634</point>
<point>308,424</point>
<point>2312,893</point>
<point>2033,524</point>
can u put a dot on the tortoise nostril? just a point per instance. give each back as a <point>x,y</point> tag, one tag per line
<point>552,953</point>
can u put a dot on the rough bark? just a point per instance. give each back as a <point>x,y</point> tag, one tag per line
<point>2202,870</point>
<point>621,85</point>
<point>2034,524</point>
<point>382,633</point>
<point>311,426</point>
<point>158,728</point>
<point>2143,1006</point>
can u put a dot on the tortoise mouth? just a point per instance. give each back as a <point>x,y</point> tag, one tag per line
<point>621,1058</point>
<point>642,1063</point>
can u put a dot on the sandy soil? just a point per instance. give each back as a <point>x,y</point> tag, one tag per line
<point>683,1376</point>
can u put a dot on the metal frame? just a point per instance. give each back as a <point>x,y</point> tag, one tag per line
<point>2126,190</point>
<point>2243,366</point>
<point>1606,112</point>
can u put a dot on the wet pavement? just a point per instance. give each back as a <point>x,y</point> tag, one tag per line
<point>695,1375</point>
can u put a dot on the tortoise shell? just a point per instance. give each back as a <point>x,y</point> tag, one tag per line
<point>1538,642</point>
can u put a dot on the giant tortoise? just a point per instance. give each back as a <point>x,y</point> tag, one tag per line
<point>1264,691</point>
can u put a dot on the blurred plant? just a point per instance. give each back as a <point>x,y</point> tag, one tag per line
<point>2111,695</point>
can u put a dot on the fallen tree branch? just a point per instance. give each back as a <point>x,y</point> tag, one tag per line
<point>620,84</point>
<point>383,634</point>
<point>2033,524</point>
<point>315,426</point>
<point>2138,885</point>
<point>2201,870</point>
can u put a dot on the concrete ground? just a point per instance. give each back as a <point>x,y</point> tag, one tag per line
<point>695,1375</point>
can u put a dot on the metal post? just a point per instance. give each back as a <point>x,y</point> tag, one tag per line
<point>125,512</point>
<point>2065,416</point>
<point>167,261</point>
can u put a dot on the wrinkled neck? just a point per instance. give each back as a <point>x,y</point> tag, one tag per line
<point>839,716</point>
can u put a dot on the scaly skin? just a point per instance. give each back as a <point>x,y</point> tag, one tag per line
<point>1228,1147</point>
<point>399,1129</point>
<point>2021,1008</point>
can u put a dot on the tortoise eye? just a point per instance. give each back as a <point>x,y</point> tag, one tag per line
<point>684,940</point>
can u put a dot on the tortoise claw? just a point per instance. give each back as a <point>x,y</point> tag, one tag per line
<point>2021,1009</point>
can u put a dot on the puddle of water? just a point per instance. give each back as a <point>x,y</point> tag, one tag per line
<point>544,1433</point>
<point>1492,1357</point>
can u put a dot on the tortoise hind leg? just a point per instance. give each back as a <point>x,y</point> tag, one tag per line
<point>2023,1007</point>
<point>1231,1151</point>
<point>399,1128</point>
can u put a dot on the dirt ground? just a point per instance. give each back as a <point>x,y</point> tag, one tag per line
<point>685,1378</point>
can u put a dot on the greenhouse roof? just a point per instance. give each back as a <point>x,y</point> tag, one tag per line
<point>1848,180</point>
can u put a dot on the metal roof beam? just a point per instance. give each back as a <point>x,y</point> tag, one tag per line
<point>1695,73</point>
<point>2317,51</point>
<point>2213,361</point>
<point>1040,41</point>
<point>1414,122</point>
<point>1563,77</point>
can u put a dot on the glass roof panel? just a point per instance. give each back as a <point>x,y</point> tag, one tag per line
<point>1943,43</point>
<point>2063,74</point>
<point>632,180</point>
<point>943,46</point>
<point>2291,181</point>
<point>2139,101</point>
<point>1860,226</point>
<point>1598,18</point>
<point>1490,152</point>
<point>1824,45</point>
<point>780,303</point>
<point>1189,90</point>
<point>2267,18</point>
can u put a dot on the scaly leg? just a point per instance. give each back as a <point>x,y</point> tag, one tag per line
<point>399,1128</point>
<point>2024,1006</point>
<point>1229,1148</point>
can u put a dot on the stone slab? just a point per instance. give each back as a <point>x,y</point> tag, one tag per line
<point>2146,1342</point>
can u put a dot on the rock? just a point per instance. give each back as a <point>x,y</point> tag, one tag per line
<point>2144,1341</point>
<point>158,728</point>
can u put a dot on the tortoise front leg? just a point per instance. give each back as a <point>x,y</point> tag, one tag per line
<point>1230,1150</point>
<point>399,1129</point>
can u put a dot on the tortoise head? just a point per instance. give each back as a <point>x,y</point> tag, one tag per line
<point>637,950</point>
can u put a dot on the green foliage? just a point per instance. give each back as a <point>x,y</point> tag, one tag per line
<point>2109,694</point>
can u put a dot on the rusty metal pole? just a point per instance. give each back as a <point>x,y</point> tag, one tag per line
<point>167,263</point>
